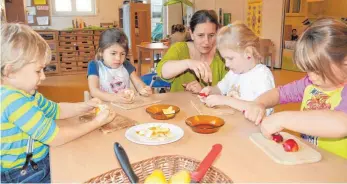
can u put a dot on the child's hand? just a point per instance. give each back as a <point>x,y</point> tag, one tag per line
<point>214,100</point>
<point>205,91</point>
<point>255,112</point>
<point>90,104</point>
<point>193,86</point>
<point>105,116</point>
<point>146,91</point>
<point>271,125</point>
<point>125,96</point>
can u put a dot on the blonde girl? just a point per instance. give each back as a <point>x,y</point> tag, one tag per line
<point>247,77</point>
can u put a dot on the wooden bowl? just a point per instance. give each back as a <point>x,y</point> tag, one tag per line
<point>205,124</point>
<point>156,111</point>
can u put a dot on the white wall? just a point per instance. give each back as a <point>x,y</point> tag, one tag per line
<point>272,17</point>
<point>107,11</point>
<point>272,25</point>
<point>174,15</point>
<point>235,7</point>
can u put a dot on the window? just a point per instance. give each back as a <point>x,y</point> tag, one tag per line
<point>293,6</point>
<point>73,7</point>
<point>156,19</point>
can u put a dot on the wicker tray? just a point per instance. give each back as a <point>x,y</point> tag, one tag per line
<point>168,164</point>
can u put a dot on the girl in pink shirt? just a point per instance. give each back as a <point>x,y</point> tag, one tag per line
<point>321,51</point>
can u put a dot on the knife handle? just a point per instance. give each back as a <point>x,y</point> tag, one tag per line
<point>206,163</point>
<point>124,162</point>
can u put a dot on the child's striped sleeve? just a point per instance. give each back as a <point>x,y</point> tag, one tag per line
<point>29,118</point>
<point>50,108</point>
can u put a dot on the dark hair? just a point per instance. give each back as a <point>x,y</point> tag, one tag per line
<point>173,28</point>
<point>293,30</point>
<point>110,37</point>
<point>203,16</point>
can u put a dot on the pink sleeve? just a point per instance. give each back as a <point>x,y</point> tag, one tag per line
<point>294,91</point>
<point>343,104</point>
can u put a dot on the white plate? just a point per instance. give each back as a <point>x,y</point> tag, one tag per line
<point>176,134</point>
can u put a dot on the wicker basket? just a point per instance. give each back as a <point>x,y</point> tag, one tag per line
<point>168,164</point>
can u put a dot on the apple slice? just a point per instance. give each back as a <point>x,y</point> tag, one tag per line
<point>203,94</point>
<point>290,146</point>
<point>277,137</point>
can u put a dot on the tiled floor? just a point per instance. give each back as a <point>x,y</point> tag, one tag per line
<point>69,88</point>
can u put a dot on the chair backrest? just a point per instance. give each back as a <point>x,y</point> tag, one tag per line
<point>266,47</point>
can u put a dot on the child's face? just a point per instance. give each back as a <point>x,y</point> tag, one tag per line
<point>235,61</point>
<point>294,32</point>
<point>327,84</point>
<point>28,77</point>
<point>114,56</point>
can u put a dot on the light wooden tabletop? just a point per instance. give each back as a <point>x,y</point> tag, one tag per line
<point>153,46</point>
<point>92,154</point>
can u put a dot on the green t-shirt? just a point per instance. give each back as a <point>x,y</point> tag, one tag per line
<point>180,51</point>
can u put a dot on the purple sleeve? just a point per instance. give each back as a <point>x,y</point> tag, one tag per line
<point>343,104</point>
<point>294,91</point>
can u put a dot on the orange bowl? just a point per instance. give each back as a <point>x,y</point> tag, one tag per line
<point>205,124</point>
<point>156,111</point>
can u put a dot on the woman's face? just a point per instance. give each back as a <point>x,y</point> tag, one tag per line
<point>204,37</point>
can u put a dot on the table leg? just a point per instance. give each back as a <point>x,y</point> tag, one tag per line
<point>152,58</point>
<point>139,62</point>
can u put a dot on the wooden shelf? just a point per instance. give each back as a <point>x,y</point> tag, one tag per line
<point>71,50</point>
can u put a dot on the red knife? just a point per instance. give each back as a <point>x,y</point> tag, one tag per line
<point>197,175</point>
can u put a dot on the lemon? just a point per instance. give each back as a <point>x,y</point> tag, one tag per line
<point>157,177</point>
<point>182,176</point>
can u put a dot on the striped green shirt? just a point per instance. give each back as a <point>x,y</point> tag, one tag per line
<point>24,115</point>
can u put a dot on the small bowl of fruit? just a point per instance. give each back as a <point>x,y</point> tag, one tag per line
<point>162,111</point>
<point>205,124</point>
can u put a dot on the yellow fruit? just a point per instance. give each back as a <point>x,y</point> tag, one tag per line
<point>169,110</point>
<point>182,176</point>
<point>100,107</point>
<point>157,177</point>
<point>97,110</point>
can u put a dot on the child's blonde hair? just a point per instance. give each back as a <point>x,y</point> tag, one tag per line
<point>239,37</point>
<point>323,43</point>
<point>21,45</point>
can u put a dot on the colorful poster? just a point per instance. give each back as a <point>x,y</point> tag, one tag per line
<point>31,10</point>
<point>30,19</point>
<point>42,8</point>
<point>28,3</point>
<point>254,16</point>
<point>42,21</point>
<point>38,2</point>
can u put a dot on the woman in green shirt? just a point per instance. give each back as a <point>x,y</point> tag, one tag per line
<point>192,65</point>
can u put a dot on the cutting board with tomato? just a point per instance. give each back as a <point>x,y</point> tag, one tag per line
<point>304,154</point>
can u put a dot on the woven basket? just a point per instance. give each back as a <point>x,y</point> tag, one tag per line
<point>168,164</point>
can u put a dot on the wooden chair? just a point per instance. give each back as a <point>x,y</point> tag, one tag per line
<point>267,49</point>
<point>130,56</point>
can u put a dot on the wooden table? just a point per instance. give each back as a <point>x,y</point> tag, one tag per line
<point>151,48</point>
<point>92,154</point>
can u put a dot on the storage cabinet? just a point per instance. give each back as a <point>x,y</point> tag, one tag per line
<point>71,50</point>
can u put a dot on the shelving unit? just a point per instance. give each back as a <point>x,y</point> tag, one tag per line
<point>51,37</point>
<point>71,50</point>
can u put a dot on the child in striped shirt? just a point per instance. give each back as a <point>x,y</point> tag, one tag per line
<point>28,125</point>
